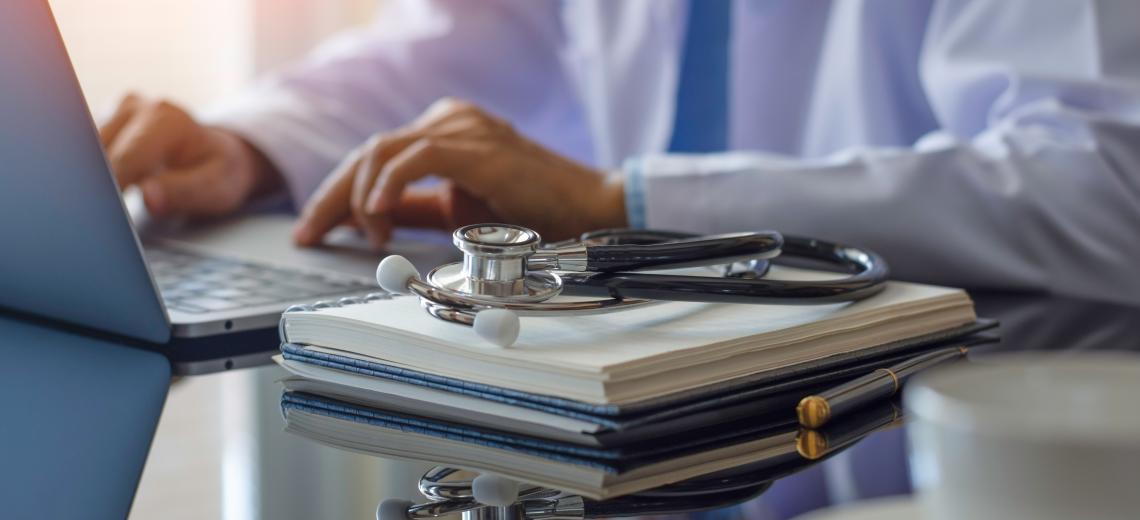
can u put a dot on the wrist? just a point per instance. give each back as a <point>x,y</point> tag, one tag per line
<point>262,177</point>
<point>611,203</point>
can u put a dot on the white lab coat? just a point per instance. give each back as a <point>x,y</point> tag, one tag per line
<point>973,143</point>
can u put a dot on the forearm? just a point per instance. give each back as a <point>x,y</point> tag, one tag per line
<point>308,118</point>
<point>1026,215</point>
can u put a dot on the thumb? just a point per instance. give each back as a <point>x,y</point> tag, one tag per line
<point>202,191</point>
<point>463,208</point>
<point>443,206</point>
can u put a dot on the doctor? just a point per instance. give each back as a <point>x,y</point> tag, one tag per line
<point>973,143</point>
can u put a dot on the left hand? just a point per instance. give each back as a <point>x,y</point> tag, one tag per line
<point>491,174</point>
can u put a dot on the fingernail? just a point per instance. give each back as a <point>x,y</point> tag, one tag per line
<point>376,240</point>
<point>381,204</point>
<point>303,235</point>
<point>372,207</point>
<point>153,196</point>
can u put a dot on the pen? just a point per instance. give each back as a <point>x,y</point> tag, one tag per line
<point>814,411</point>
<point>844,431</point>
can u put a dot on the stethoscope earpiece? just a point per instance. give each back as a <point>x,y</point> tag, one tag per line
<point>394,509</point>
<point>493,490</point>
<point>506,274</point>
<point>498,326</point>
<point>394,272</point>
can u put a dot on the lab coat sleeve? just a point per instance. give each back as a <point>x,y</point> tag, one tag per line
<point>1032,183</point>
<point>500,54</point>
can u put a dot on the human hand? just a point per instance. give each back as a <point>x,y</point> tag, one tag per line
<point>182,167</point>
<point>489,172</point>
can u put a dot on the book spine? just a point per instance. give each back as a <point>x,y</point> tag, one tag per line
<point>282,329</point>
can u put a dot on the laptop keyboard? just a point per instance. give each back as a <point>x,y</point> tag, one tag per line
<point>195,283</point>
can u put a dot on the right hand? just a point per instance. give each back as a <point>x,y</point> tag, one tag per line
<point>490,171</point>
<point>182,167</point>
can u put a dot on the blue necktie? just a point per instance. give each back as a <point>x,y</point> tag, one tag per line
<point>701,121</point>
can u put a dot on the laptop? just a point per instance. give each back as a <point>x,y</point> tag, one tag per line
<point>68,248</point>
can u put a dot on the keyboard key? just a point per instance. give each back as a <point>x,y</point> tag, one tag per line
<point>193,286</point>
<point>210,304</point>
<point>178,294</point>
<point>284,291</point>
<point>225,293</point>
<point>258,300</point>
<point>247,283</point>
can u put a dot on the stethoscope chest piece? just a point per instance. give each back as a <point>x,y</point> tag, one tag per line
<point>494,267</point>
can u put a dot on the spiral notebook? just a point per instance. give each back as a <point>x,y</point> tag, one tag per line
<point>625,358</point>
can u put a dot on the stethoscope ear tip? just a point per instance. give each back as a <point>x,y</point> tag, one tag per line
<point>493,490</point>
<point>394,272</point>
<point>393,509</point>
<point>498,326</point>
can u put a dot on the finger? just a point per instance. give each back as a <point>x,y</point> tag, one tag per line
<point>328,206</point>
<point>377,229</point>
<point>421,159</point>
<point>442,109</point>
<point>423,207</point>
<point>379,151</point>
<point>109,130</point>
<point>443,206</point>
<point>376,226</point>
<point>202,191</point>
<point>148,140</point>
<point>462,208</point>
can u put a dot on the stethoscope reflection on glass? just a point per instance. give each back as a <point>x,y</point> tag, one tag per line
<point>507,272</point>
<point>452,491</point>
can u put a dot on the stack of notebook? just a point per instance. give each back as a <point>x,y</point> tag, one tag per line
<point>600,405</point>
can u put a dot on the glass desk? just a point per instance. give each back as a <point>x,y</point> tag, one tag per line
<point>862,457</point>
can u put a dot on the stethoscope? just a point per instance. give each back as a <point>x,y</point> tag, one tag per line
<point>488,496</point>
<point>507,272</point>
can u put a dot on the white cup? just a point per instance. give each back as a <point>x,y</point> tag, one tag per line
<point>1028,436</point>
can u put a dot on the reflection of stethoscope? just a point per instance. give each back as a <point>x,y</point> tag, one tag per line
<point>493,497</point>
<point>506,272</point>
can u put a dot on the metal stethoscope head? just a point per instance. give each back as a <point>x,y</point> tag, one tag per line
<point>507,272</point>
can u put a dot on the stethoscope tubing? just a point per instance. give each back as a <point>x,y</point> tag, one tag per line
<point>868,270</point>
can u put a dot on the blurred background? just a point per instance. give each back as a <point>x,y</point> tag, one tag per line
<point>212,455</point>
<point>193,52</point>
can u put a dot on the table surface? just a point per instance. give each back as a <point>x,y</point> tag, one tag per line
<point>875,466</point>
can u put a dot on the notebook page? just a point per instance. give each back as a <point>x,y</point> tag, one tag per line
<point>596,343</point>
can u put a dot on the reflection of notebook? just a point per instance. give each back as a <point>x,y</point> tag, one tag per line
<point>624,358</point>
<point>592,472</point>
